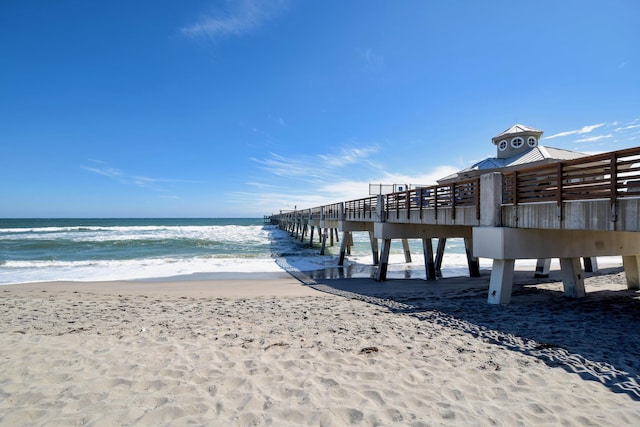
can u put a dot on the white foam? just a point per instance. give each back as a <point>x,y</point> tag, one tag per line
<point>226,233</point>
<point>14,272</point>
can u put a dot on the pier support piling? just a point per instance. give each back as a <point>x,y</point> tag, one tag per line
<point>442,242</point>
<point>572,277</point>
<point>543,265</point>
<point>430,266</point>
<point>472,262</point>
<point>406,250</point>
<point>631,265</point>
<point>501,281</point>
<point>590,264</point>
<point>324,242</point>
<point>381,272</point>
<point>344,246</point>
<point>374,248</point>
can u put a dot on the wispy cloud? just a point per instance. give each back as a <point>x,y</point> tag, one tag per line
<point>318,167</point>
<point>286,167</point>
<point>157,184</point>
<point>349,155</point>
<point>104,171</point>
<point>629,127</point>
<point>236,19</point>
<point>594,138</point>
<point>308,181</point>
<point>610,136</point>
<point>583,130</point>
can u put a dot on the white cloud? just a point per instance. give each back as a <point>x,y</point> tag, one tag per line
<point>287,167</point>
<point>105,171</point>
<point>583,130</point>
<point>627,128</point>
<point>348,156</point>
<point>320,167</point>
<point>428,178</point>
<point>312,181</point>
<point>239,18</point>
<point>594,138</point>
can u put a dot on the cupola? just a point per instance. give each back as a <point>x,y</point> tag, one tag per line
<point>516,140</point>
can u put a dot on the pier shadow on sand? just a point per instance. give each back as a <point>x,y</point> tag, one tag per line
<point>596,337</point>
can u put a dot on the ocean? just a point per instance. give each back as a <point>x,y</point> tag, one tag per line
<point>42,250</point>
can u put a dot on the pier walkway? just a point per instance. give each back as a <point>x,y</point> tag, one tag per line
<point>581,208</point>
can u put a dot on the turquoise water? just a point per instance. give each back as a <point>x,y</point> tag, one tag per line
<point>33,250</point>
<point>126,239</point>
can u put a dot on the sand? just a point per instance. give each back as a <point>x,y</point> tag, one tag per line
<point>341,352</point>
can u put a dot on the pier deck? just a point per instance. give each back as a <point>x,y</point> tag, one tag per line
<point>574,209</point>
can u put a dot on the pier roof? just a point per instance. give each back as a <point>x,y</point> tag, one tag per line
<point>515,130</point>
<point>538,155</point>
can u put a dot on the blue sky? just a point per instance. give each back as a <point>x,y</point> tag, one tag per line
<point>242,108</point>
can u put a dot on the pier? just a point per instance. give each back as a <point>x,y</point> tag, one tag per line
<point>573,209</point>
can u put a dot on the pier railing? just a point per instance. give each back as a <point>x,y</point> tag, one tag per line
<point>316,213</point>
<point>609,176</point>
<point>332,211</point>
<point>404,203</point>
<point>434,198</point>
<point>361,209</point>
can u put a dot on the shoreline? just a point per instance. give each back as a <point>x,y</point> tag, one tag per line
<point>223,287</point>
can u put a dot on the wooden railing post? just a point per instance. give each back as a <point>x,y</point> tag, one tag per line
<point>614,178</point>
<point>408,203</point>
<point>435,203</point>
<point>477,201</point>
<point>397,201</point>
<point>614,186</point>
<point>515,188</point>
<point>453,201</point>
<point>559,181</point>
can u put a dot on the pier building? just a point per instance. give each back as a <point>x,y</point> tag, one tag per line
<point>529,202</point>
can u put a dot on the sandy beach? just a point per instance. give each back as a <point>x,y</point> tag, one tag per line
<point>331,352</point>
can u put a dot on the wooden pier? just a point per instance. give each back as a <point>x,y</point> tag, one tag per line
<point>581,208</point>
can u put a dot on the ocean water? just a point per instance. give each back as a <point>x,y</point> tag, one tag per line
<point>36,250</point>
